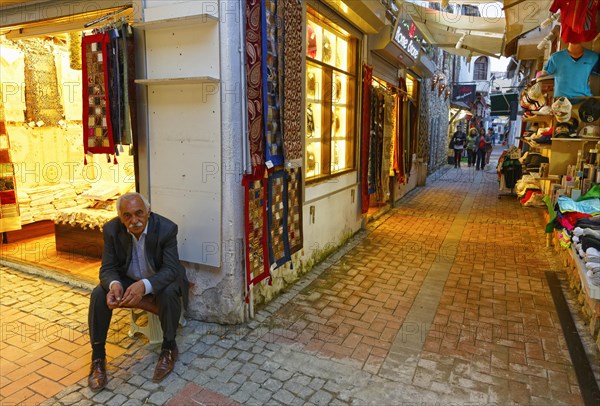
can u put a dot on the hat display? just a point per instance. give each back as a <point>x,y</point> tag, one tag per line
<point>532,98</point>
<point>567,129</point>
<point>544,111</point>
<point>590,131</point>
<point>589,110</point>
<point>562,109</point>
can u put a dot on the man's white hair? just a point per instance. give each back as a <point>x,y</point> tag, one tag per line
<point>129,196</point>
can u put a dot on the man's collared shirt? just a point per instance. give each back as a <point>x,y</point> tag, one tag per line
<point>139,268</point>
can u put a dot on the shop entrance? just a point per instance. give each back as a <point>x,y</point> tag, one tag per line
<point>61,99</point>
<point>393,142</point>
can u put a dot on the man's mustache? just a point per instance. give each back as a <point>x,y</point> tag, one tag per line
<point>138,224</point>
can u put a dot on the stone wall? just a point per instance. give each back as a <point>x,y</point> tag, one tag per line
<point>433,125</point>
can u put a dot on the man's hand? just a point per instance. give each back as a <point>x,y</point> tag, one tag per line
<point>133,295</point>
<point>114,296</point>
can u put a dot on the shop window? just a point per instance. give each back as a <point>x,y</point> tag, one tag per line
<point>481,68</point>
<point>330,98</point>
<point>412,86</point>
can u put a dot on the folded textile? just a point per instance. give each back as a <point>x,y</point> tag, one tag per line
<point>592,266</point>
<point>589,222</point>
<point>592,251</point>
<point>588,241</point>
<point>591,259</point>
<point>591,232</point>
<point>590,206</point>
<point>594,192</point>
<point>594,278</point>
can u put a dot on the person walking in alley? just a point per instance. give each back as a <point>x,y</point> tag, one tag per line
<point>457,144</point>
<point>480,158</point>
<point>140,264</point>
<point>489,147</point>
<point>472,146</point>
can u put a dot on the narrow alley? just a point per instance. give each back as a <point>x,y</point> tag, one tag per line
<point>442,300</point>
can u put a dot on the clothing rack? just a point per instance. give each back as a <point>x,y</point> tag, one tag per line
<point>389,86</point>
<point>106,17</point>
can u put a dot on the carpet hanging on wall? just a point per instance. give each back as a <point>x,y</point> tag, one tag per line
<point>294,218</point>
<point>292,82</point>
<point>254,86</point>
<point>271,83</point>
<point>277,212</point>
<point>43,104</point>
<point>97,128</point>
<point>365,137</point>
<point>255,225</point>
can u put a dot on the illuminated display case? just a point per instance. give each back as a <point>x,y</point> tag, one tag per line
<point>330,96</point>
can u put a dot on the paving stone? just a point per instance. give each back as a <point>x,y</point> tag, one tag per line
<point>118,400</point>
<point>159,398</point>
<point>286,397</point>
<point>241,396</point>
<point>72,398</point>
<point>215,352</point>
<point>272,384</point>
<point>259,376</point>
<point>282,375</point>
<point>103,396</point>
<point>321,398</point>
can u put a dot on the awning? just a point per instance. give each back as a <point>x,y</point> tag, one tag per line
<point>501,103</point>
<point>480,35</point>
<point>459,106</point>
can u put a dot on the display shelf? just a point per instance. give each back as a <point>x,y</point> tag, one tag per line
<point>539,146</point>
<point>178,81</point>
<point>576,139</point>
<point>589,288</point>
<point>535,119</point>
<point>177,22</point>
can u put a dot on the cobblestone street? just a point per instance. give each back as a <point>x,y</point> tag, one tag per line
<point>442,300</point>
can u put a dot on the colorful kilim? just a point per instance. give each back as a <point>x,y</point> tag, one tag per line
<point>365,137</point>
<point>294,218</point>
<point>97,128</point>
<point>277,208</point>
<point>292,81</point>
<point>255,224</point>
<point>271,76</point>
<point>254,86</point>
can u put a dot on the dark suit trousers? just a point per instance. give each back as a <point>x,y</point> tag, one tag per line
<point>169,309</point>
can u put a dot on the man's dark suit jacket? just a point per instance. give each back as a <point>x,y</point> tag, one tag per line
<point>161,250</point>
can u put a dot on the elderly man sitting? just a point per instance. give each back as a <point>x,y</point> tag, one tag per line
<point>140,262</point>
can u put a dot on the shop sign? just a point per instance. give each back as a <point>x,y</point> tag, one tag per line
<point>464,93</point>
<point>405,36</point>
